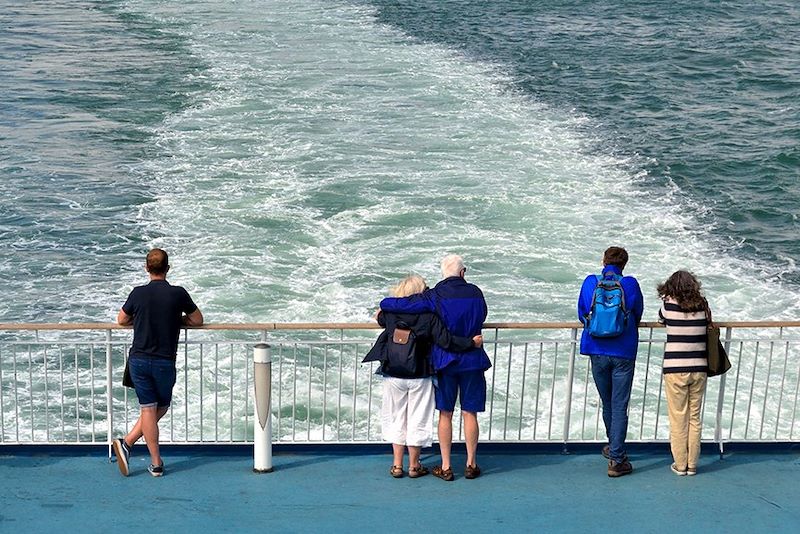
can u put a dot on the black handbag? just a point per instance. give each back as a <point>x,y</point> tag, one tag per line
<point>127,381</point>
<point>718,362</point>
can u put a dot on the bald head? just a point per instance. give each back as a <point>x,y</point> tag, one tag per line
<point>157,262</point>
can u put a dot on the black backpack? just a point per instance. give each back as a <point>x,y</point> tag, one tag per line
<point>401,353</point>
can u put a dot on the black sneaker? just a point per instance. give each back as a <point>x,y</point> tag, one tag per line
<point>123,453</point>
<point>618,469</point>
<point>156,470</point>
<point>606,452</point>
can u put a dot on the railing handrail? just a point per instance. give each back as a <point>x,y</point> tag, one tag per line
<point>367,326</point>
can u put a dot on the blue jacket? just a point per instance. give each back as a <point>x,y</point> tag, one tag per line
<point>625,345</point>
<point>462,308</point>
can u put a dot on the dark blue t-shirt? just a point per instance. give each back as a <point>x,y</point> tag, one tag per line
<point>156,310</point>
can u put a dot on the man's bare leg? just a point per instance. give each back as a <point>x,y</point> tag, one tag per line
<point>147,426</point>
<point>445,437</point>
<point>471,433</point>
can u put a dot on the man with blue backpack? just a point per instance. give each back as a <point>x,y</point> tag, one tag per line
<point>610,307</point>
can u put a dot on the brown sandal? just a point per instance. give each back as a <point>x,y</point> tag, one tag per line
<point>472,471</point>
<point>396,471</point>
<point>416,472</point>
<point>444,474</point>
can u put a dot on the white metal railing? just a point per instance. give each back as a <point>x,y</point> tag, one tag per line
<point>62,384</point>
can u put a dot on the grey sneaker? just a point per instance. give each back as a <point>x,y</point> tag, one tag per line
<point>123,453</point>
<point>691,471</point>
<point>156,470</point>
<point>607,452</point>
<point>618,469</point>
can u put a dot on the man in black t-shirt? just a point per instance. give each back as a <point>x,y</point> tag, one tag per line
<point>157,312</point>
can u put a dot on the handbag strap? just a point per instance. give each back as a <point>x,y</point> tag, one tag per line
<point>708,315</point>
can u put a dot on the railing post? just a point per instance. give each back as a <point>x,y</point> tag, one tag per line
<point>262,433</point>
<point>570,377</point>
<point>109,393</point>
<point>721,399</point>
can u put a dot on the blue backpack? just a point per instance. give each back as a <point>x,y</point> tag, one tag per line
<point>608,316</point>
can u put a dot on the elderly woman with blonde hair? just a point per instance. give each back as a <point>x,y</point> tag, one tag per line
<point>403,349</point>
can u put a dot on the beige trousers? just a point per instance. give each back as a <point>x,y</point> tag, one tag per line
<point>685,399</point>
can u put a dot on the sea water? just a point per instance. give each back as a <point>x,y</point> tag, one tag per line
<point>296,158</point>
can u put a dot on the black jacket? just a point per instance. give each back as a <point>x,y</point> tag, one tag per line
<point>428,329</point>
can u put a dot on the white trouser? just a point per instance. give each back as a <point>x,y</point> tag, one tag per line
<point>407,411</point>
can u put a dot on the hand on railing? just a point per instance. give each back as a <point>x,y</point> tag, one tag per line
<point>478,340</point>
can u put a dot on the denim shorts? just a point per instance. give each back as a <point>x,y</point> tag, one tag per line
<point>471,385</point>
<point>153,380</point>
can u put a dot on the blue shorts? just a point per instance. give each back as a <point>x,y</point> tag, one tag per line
<point>470,384</point>
<point>153,380</point>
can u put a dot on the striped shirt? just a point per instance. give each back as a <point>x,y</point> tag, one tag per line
<point>685,351</point>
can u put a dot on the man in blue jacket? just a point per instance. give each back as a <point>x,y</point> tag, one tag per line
<point>462,308</point>
<point>613,358</point>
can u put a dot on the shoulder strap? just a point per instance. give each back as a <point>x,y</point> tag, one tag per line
<point>708,314</point>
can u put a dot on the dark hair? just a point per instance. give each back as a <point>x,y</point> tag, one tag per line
<point>684,287</point>
<point>616,256</point>
<point>157,261</point>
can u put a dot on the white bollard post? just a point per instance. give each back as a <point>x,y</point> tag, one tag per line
<point>262,435</point>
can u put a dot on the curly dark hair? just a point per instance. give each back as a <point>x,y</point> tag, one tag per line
<point>684,287</point>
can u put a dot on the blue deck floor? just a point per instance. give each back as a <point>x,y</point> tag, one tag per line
<point>519,492</point>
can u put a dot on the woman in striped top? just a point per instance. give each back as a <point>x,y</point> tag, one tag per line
<point>685,365</point>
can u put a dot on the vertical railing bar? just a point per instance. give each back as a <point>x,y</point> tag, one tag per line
<point>508,389</point>
<point>46,398</point>
<point>16,393</point>
<point>585,400</point>
<point>339,402</point>
<point>660,386</point>
<point>30,378</point>
<point>538,389</point>
<point>280,388</point>
<point>230,423</point>
<point>247,390</point>
<point>570,378</point>
<point>721,398</point>
<point>126,352</point>
<point>646,381</point>
<point>91,382</point>
<point>736,387</point>
<point>202,398</point>
<point>2,404</point>
<point>109,392</point>
<point>522,395</point>
<point>294,393</point>
<point>658,404</point>
<point>783,383</point>
<point>186,386</point>
<point>766,390</point>
<point>355,393</point>
<point>552,394</point>
<point>752,390</point>
<point>369,401</point>
<point>77,398</point>
<point>216,392</point>
<point>494,374</point>
<point>61,387</point>
<point>324,390</point>
<point>308,408</point>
